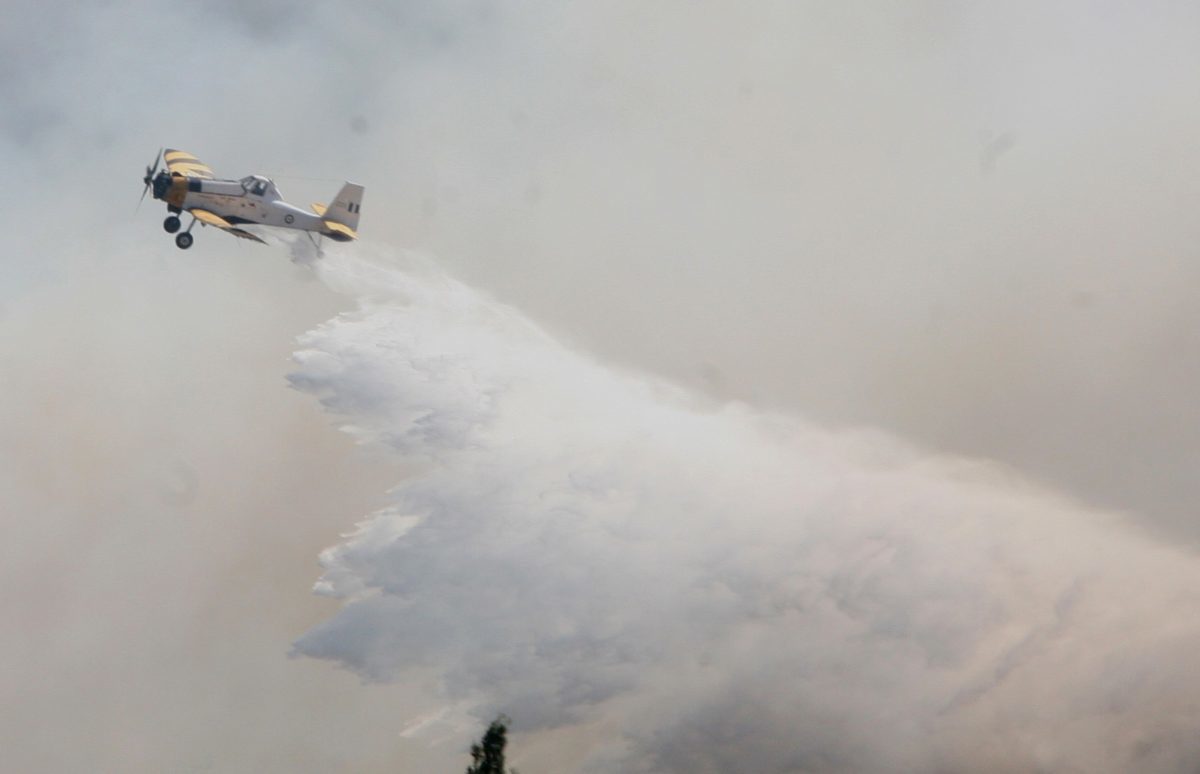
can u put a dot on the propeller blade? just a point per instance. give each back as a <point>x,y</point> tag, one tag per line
<point>149,178</point>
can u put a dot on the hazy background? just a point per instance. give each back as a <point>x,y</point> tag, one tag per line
<point>969,227</point>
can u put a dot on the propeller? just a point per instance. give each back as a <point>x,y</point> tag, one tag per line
<point>149,178</point>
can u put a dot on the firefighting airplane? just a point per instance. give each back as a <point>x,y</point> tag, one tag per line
<point>187,184</point>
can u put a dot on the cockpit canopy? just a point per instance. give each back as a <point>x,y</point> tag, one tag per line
<point>259,186</point>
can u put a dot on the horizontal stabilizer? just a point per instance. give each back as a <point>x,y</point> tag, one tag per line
<point>339,232</point>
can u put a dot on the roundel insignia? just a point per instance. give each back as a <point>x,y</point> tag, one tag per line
<point>288,218</point>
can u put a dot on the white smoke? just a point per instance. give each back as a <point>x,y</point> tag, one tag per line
<point>718,588</point>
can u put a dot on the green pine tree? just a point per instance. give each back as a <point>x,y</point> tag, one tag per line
<point>488,754</point>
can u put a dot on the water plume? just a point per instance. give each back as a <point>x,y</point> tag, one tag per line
<point>724,588</point>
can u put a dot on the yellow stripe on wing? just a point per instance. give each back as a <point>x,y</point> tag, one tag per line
<point>191,170</point>
<point>211,218</point>
<point>183,163</point>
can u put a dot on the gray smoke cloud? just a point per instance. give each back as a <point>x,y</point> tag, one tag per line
<point>971,228</point>
<point>165,496</point>
<point>733,590</point>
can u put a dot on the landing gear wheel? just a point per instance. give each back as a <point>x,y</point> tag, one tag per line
<point>171,224</point>
<point>184,241</point>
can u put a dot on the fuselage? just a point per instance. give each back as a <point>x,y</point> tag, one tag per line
<point>253,200</point>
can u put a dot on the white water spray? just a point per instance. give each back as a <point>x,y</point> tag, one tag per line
<point>727,589</point>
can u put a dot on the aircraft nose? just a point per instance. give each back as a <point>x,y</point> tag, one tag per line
<point>161,183</point>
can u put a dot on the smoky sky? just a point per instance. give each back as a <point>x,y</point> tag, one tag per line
<point>969,229</point>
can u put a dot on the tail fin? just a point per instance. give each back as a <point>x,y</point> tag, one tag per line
<point>345,206</point>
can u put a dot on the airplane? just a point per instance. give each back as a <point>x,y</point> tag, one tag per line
<point>187,184</point>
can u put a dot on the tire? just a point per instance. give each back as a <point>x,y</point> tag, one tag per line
<point>184,241</point>
<point>171,224</point>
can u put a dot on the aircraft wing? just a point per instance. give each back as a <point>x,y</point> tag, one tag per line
<point>185,164</point>
<point>212,219</point>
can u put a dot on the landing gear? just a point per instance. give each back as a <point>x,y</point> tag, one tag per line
<point>182,241</point>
